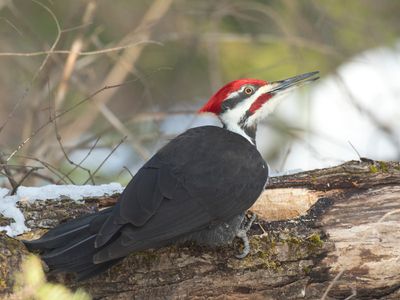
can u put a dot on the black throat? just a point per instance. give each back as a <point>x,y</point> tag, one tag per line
<point>249,131</point>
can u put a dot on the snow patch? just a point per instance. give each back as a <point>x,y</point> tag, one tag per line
<point>3,192</point>
<point>275,173</point>
<point>9,209</point>
<point>74,192</point>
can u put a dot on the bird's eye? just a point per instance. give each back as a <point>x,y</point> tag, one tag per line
<point>248,90</point>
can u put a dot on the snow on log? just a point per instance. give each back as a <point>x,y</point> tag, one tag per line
<point>332,233</point>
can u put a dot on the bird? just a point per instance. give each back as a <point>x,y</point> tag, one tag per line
<point>196,188</point>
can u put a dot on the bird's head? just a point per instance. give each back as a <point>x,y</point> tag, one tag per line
<point>242,103</point>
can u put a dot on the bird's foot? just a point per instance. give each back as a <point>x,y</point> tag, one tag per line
<point>242,234</point>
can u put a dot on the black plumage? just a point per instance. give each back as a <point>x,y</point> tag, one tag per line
<point>201,179</point>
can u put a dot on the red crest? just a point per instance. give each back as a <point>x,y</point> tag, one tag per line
<point>214,104</point>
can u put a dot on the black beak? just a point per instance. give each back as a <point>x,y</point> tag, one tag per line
<point>278,86</point>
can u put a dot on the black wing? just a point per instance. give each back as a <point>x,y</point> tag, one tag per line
<point>203,176</point>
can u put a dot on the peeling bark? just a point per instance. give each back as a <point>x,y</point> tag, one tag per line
<point>338,226</point>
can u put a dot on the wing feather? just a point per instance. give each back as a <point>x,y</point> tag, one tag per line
<point>187,185</point>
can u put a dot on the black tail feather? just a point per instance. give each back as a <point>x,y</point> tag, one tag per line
<point>77,248</point>
<point>70,246</point>
<point>56,237</point>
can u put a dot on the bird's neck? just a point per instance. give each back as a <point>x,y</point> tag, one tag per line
<point>248,133</point>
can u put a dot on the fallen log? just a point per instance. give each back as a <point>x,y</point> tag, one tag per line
<point>324,234</point>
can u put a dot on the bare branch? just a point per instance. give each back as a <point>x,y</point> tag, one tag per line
<point>80,53</point>
<point>107,157</point>
<point>27,174</point>
<point>392,135</point>
<point>331,284</point>
<point>20,166</point>
<point>35,76</point>
<point>12,25</point>
<point>76,47</point>
<point>118,125</point>
<point>129,171</point>
<point>124,64</point>
<point>23,168</point>
<point>7,172</point>
<point>40,128</point>
<point>54,170</point>
<point>79,165</point>
<point>355,150</point>
<point>55,41</point>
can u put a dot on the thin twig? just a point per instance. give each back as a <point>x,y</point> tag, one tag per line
<point>54,43</point>
<point>11,180</point>
<point>122,67</point>
<point>129,171</point>
<point>80,53</point>
<point>107,157</point>
<point>14,190</point>
<point>29,123</point>
<point>19,166</point>
<point>12,25</point>
<point>44,177</point>
<point>24,168</point>
<point>390,132</point>
<point>118,125</point>
<point>285,157</point>
<point>106,87</point>
<point>35,76</point>
<point>70,62</point>
<point>79,165</point>
<point>55,171</point>
<point>40,128</point>
<point>77,27</point>
<point>48,166</point>
<point>59,140</point>
<point>331,284</point>
<point>355,150</point>
<point>7,172</point>
<point>38,175</point>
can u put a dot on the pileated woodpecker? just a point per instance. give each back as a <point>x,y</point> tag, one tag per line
<point>197,187</point>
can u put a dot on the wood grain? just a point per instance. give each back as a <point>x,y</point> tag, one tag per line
<point>313,226</point>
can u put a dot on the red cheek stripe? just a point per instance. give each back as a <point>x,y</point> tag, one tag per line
<point>259,102</point>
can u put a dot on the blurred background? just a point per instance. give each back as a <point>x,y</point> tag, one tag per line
<point>91,89</point>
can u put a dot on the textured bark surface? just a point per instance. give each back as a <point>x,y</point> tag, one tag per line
<point>334,230</point>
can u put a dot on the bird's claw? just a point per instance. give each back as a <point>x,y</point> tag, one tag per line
<point>242,234</point>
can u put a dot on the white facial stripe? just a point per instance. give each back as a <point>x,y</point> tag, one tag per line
<point>231,118</point>
<point>234,94</point>
<point>245,105</point>
<point>267,108</point>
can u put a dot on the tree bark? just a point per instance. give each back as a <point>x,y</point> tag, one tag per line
<point>332,233</point>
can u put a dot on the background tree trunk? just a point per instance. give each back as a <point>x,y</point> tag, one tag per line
<point>332,233</point>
